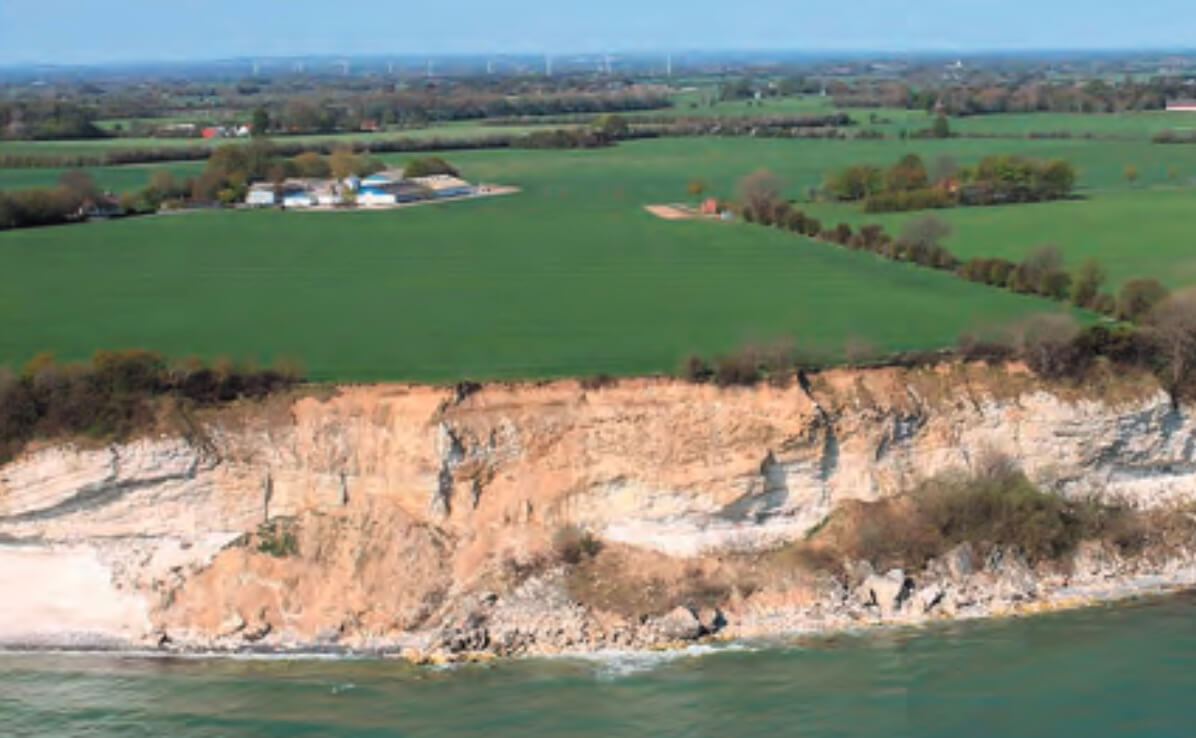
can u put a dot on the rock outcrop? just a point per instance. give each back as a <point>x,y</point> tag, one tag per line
<point>393,510</point>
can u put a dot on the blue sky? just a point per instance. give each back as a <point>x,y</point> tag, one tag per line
<point>87,31</point>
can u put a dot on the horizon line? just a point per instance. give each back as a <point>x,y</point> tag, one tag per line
<point>830,52</point>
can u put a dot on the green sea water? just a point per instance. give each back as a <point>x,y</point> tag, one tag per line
<point>1115,671</point>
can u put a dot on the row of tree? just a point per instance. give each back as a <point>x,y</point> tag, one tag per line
<point>910,185</point>
<point>418,107</point>
<point>1041,273</point>
<point>66,202</point>
<point>1052,345</point>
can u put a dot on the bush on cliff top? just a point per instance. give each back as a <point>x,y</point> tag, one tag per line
<point>111,396</point>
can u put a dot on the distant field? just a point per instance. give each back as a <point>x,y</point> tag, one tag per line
<point>569,277</point>
<point>1131,232</point>
<point>802,163</point>
<point>99,146</point>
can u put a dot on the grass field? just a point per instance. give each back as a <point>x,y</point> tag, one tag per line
<point>1133,232</point>
<point>569,277</point>
<point>97,147</point>
<point>1138,126</point>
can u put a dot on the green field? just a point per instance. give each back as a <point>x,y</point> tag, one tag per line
<point>97,147</point>
<point>1133,233</point>
<point>570,276</point>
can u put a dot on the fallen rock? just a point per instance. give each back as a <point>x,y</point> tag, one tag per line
<point>960,561</point>
<point>681,624</point>
<point>1015,580</point>
<point>461,640</point>
<point>711,619</point>
<point>888,592</point>
<point>929,597</point>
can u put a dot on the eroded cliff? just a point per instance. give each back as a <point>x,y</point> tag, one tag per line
<point>424,518</point>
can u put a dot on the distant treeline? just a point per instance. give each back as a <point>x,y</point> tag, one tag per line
<point>112,395</point>
<point>314,115</point>
<point>1094,96</point>
<point>45,120</point>
<point>1169,136</point>
<point>568,138</point>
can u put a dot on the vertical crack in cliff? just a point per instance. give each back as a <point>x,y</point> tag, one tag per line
<point>452,453</point>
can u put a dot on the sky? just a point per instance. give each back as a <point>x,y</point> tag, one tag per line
<point>95,31</point>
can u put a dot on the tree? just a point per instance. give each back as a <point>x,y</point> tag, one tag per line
<point>1138,298</point>
<point>343,162</point>
<point>311,164</point>
<point>945,168</point>
<point>1087,283</point>
<point>426,166</point>
<point>1047,343</point>
<point>78,184</point>
<point>261,123</point>
<point>759,190</point>
<point>1042,260</point>
<point>1057,180</point>
<point>697,187</point>
<point>926,231</point>
<point>612,125</point>
<point>1171,326</point>
<point>942,128</point>
<point>908,174</point>
<point>1131,173</point>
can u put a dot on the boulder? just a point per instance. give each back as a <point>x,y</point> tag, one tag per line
<point>960,561</point>
<point>462,640</point>
<point>1016,581</point>
<point>888,592</point>
<point>928,597</point>
<point>681,624</point>
<point>711,619</point>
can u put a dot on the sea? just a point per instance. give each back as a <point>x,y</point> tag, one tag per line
<point>1119,670</point>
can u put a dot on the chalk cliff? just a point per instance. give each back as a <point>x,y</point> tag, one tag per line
<point>424,518</point>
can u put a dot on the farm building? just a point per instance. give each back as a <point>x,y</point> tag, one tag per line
<point>261,194</point>
<point>388,188</point>
<point>300,193</point>
<point>377,190</point>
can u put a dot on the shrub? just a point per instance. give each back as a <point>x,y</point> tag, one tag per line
<point>999,509</point>
<point>574,545</point>
<point>277,538</point>
<point>598,381</point>
<point>1138,297</point>
<point>1087,283</point>
<point>741,368</point>
<point>695,369</point>
<point>1104,303</point>
<point>111,396</point>
<point>1047,343</point>
<point>426,166</point>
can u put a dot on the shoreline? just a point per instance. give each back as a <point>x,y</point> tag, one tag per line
<point>1069,598</point>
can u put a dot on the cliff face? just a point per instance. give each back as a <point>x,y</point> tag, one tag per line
<point>406,503</point>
